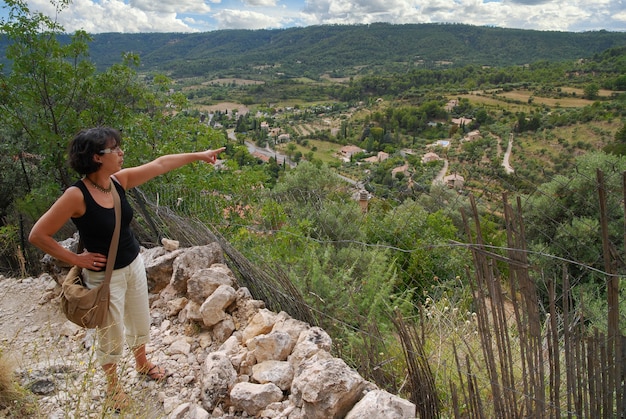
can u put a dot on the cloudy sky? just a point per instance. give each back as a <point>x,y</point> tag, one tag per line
<point>131,16</point>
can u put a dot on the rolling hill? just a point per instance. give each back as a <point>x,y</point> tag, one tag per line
<point>345,50</point>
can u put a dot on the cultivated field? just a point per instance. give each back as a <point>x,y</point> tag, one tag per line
<point>224,107</point>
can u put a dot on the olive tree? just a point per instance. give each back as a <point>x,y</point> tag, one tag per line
<point>562,222</point>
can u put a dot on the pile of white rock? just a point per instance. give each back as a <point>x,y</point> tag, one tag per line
<point>228,356</point>
<point>265,364</point>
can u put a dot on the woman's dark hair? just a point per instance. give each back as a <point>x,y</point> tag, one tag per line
<point>89,142</point>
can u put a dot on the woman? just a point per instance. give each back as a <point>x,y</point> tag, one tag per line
<point>96,155</point>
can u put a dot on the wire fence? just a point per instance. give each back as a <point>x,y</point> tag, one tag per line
<point>519,329</point>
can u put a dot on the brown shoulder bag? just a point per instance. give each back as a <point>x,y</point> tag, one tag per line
<point>89,307</point>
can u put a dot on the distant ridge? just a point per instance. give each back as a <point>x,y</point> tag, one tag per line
<point>345,50</point>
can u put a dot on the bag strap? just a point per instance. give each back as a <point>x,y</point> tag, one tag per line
<point>115,240</point>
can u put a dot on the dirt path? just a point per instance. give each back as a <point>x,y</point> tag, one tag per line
<point>507,156</point>
<point>55,359</point>
<point>26,315</point>
<point>442,173</point>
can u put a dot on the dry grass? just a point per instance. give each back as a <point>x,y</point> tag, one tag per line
<point>15,401</point>
<point>517,100</point>
<point>564,102</point>
<point>232,81</point>
<point>196,84</point>
<point>491,101</point>
<point>581,92</point>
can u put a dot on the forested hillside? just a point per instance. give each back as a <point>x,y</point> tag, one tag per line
<point>345,50</point>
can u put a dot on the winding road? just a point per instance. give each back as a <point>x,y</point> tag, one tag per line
<point>505,161</point>
<point>507,156</point>
<point>267,151</point>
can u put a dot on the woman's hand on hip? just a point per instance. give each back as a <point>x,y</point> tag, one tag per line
<point>92,261</point>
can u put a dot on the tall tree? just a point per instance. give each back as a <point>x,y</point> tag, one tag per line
<point>51,89</point>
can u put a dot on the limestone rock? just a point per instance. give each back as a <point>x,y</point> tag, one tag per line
<point>273,346</point>
<point>159,267</point>
<point>55,267</point>
<point>380,404</point>
<point>224,329</point>
<point>175,306</point>
<point>252,398</point>
<point>280,410</point>
<point>213,309</point>
<point>261,323</point>
<point>205,281</point>
<point>189,411</point>
<point>310,342</point>
<point>326,388</point>
<point>190,313</point>
<point>234,350</point>
<point>192,260</point>
<point>287,324</point>
<point>245,308</point>
<point>179,346</point>
<point>277,372</point>
<point>218,378</point>
<point>170,245</point>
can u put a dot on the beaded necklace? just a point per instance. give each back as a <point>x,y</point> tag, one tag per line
<point>98,187</point>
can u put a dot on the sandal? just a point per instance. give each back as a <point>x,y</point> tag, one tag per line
<point>155,373</point>
<point>117,400</point>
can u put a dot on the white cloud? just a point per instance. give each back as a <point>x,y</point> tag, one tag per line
<point>564,15</point>
<point>112,16</point>
<point>171,6</point>
<point>263,3</point>
<point>530,2</point>
<point>97,16</point>
<point>621,16</point>
<point>244,19</point>
<point>363,11</point>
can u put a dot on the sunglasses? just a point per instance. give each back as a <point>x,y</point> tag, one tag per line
<point>117,149</point>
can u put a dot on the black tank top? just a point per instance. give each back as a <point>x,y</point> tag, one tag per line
<point>96,227</point>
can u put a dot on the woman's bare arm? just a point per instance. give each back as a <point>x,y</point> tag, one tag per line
<point>70,204</point>
<point>135,176</point>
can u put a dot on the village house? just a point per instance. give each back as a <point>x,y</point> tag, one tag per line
<point>261,156</point>
<point>430,156</point>
<point>402,169</point>
<point>381,156</point>
<point>461,121</point>
<point>455,181</point>
<point>451,105</point>
<point>471,136</point>
<point>346,152</point>
<point>274,132</point>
